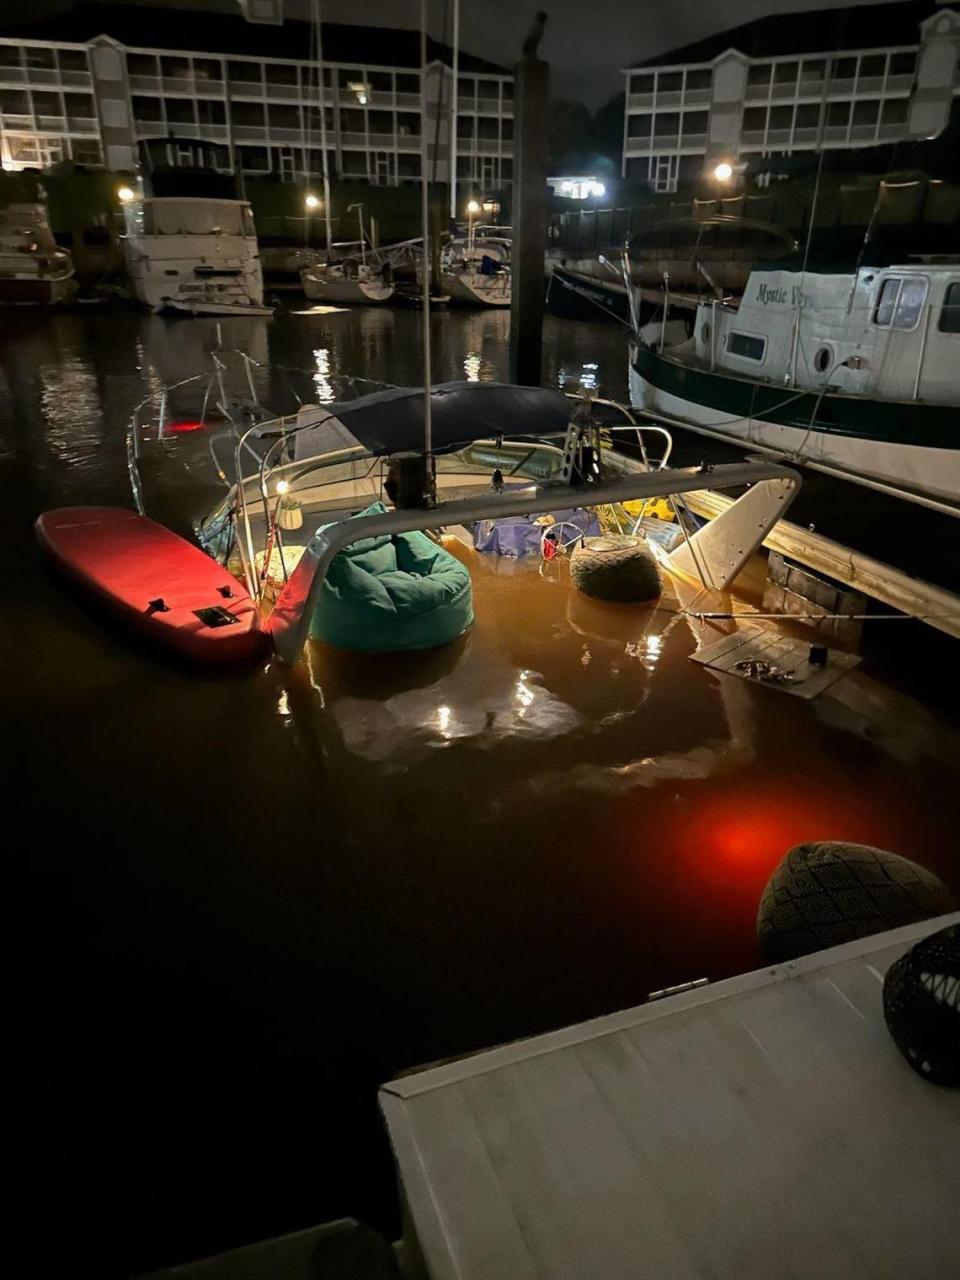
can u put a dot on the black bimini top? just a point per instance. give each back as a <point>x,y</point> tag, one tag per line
<point>393,421</point>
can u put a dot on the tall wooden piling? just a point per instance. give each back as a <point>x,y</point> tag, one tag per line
<point>531,94</point>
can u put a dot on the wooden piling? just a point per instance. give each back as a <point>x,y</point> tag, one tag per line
<point>531,92</point>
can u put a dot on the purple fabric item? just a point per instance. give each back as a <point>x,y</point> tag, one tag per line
<point>518,536</point>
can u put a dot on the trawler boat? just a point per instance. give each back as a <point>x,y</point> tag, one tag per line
<point>349,283</point>
<point>33,269</point>
<point>191,246</point>
<point>856,374</point>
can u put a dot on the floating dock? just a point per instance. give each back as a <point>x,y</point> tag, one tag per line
<point>766,1125</point>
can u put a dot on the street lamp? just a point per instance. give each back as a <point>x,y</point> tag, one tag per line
<point>125,194</point>
<point>723,172</point>
<point>312,202</point>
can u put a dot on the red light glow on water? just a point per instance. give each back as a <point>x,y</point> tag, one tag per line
<point>184,426</point>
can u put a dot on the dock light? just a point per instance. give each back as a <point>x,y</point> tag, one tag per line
<point>473,207</point>
<point>312,202</point>
<point>723,172</point>
<point>283,487</point>
<point>125,194</point>
<point>597,189</point>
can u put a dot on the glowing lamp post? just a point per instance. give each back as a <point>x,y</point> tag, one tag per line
<point>311,203</point>
<point>723,172</point>
<point>125,194</point>
<point>473,208</point>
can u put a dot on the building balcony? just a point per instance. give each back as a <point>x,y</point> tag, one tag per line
<point>245,88</point>
<point>82,124</point>
<point>17,122</point>
<point>753,137</point>
<point>805,137</point>
<point>287,135</point>
<point>780,91</point>
<point>694,141</point>
<point>899,84</point>
<point>891,132</point>
<point>672,98</point>
<point>835,133</point>
<point>640,102</point>
<point>863,133</point>
<point>870,85</point>
<point>666,140</point>
<point>696,97</point>
<point>13,75</point>
<point>144,84</point>
<point>840,88</point>
<point>757,92</point>
<point>249,133</point>
<point>482,147</point>
<point>52,124</point>
<point>42,75</point>
<point>407,100</point>
<point>778,137</point>
<point>76,78</point>
<point>284,92</point>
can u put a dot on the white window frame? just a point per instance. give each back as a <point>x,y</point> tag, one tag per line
<point>891,324</point>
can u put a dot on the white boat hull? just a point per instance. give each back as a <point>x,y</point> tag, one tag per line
<point>199,275</point>
<point>344,291</point>
<point>472,289</point>
<point>924,471</point>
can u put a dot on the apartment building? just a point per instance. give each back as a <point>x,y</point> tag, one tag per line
<point>833,78</point>
<point>98,82</point>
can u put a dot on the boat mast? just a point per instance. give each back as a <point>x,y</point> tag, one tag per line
<point>323,128</point>
<point>425,219</point>
<point>453,111</point>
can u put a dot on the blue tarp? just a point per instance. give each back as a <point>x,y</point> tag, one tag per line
<point>519,536</point>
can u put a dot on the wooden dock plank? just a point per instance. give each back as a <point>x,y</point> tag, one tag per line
<point>772,644</point>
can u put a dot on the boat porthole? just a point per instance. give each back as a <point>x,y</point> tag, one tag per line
<point>821,361</point>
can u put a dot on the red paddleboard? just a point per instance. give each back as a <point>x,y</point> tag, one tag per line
<point>165,586</point>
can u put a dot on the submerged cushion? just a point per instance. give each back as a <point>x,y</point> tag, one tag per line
<point>393,593</point>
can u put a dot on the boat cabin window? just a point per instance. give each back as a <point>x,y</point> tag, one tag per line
<point>746,345</point>
<point>950,311</point>
<point>901,301</point>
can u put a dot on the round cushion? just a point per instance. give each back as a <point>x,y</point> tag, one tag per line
<point>618,567</point>
<point>829,892</point>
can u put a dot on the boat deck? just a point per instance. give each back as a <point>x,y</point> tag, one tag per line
<point>766,1125</point>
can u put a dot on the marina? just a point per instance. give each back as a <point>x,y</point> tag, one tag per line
<point>480,666</point>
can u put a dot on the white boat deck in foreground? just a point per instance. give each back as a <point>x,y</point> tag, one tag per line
<point>765,1126</point>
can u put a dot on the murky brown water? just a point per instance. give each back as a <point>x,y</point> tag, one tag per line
<point>239,904</point>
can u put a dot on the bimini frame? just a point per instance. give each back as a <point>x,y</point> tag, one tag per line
<point>714,555</point>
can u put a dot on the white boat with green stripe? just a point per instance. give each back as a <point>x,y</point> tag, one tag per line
<point>858,373</point>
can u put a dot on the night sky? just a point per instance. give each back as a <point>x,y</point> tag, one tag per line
<point>587,41</point>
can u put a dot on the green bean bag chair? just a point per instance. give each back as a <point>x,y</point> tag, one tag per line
<point>391,593</point>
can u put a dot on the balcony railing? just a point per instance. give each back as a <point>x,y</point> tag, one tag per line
<point>863,132</point>
<point>249,133</point>
<point>82,124</point>
<point>671,98</point>
<point>870,84</point>
<point>17,122</point>
<point>246,88</point>
<point>694,96</point>
<point>144,84</point>
<point>755,91</point>
<point>640,101</point>
<point>53,124</point>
